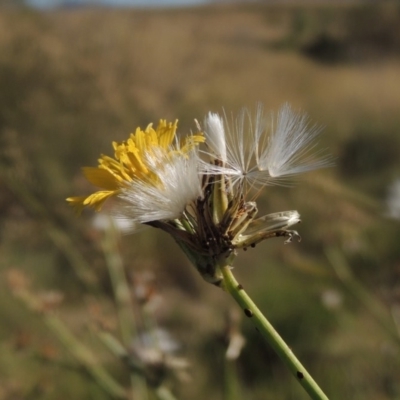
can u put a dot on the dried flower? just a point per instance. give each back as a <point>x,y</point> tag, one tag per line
<point>200,197</point>
<point>144,173</point>
<point>262,151</point>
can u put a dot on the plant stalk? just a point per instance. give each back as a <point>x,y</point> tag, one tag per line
<point>231,285</point>
<point>123,302</point>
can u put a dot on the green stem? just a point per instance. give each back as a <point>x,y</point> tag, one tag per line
<point>163,393</point>
<point>231,285</point>
<point>76,348</point>
<point>85,358</point>
<point>371,303</point>
<point>124,306</point>
<point>232,390</point>
<point>120,286</point>
<point>60,239</point>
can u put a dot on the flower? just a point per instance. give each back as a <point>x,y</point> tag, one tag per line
<point>201,200</point>
<point>152,173</point>
<point>178,184</point>
<point>263,151</point>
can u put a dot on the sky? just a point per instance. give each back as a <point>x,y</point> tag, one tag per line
<point>116,3</point>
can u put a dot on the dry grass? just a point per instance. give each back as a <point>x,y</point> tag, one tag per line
<point>71,82</point>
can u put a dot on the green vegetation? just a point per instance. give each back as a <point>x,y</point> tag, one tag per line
<point>72,82</point>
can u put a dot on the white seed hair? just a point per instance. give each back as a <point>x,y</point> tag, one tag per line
<point>262,152</point>
<point>179,185</point>
<point>290,146</point>
<point>278,220</point>
<point>216,141</point>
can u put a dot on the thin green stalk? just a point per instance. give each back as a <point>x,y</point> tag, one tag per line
<point>85,358</point>
<point>76,348</point>
<point>59,238</point>
<point>124,306</point>
<point>120,286</point>
<point>231,285</point>
<point>381,314</point>
<point>163,393</point>
<point>232,390</point>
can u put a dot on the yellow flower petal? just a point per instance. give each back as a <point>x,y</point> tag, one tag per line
<point>166,133</point>
<point>77,203</point>
<point>97,199</point>
<point>101,178</point>
<point>134,159</point>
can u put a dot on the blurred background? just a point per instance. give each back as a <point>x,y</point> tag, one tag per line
<point>90,313</point>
